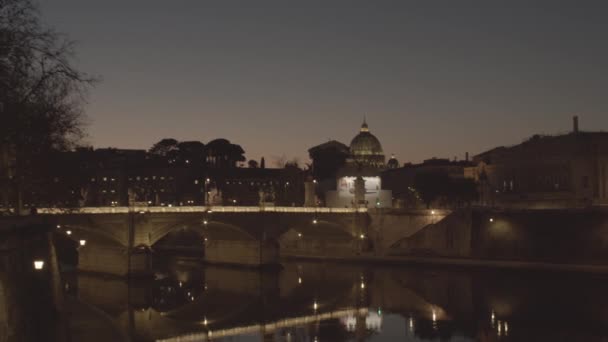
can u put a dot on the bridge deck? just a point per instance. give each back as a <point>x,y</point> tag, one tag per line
<point>196,209</point>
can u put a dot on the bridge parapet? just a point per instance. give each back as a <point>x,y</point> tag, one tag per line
<point>195,209</point>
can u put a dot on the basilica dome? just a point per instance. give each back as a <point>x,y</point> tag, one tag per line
<point>365,148</point>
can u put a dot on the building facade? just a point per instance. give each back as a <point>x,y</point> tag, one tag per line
<point>559,171</point>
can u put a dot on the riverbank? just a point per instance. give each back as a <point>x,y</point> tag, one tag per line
<point>459,262</point>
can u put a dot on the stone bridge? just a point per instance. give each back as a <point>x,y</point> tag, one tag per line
<point>117,240</point>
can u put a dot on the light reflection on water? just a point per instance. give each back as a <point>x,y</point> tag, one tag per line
<point>332,302</point>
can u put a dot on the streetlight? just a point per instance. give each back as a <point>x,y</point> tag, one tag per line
<point>38,265</point>
<point>69,232</point>
<point>83,242</point>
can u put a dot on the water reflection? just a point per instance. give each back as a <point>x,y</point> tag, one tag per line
<point>329,302</point>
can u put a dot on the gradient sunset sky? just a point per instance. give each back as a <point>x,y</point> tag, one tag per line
<point>433,78</point>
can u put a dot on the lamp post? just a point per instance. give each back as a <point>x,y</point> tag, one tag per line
<point>206,196</point>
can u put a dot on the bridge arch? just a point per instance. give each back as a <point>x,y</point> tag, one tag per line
<point>319,237</point>
<point>90,234</point>
<point>212,229</point>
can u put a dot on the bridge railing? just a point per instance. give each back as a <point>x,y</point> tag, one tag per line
<point>196,209</point>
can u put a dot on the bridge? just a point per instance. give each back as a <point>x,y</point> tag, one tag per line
<point>118,240</point>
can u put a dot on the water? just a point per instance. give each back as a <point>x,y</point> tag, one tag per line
<point>338,302</point>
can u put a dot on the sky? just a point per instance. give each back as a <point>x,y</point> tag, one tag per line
<point>433,78</point>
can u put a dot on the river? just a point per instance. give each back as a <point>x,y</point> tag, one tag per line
<point>305,301</point>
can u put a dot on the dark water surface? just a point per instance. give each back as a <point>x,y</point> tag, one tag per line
<point>338,302</point>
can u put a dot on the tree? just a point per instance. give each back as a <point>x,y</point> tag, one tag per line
<point>41,94</point>
<point>431,186</point>
<point>253,164</point>
<point>164,147</point>
<point>191,153</point>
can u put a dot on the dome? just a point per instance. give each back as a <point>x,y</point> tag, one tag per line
<point>392,163</point>
<point>366,148</point>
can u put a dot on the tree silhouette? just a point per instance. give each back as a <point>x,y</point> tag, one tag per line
<point>253,164</point>
<point>41,94</point>
<point>431,186</point>
<point>164,147</point>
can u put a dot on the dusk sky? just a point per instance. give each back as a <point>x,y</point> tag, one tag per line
<point>433,78</point>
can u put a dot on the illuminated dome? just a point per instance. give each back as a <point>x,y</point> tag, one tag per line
<point>365,148</point>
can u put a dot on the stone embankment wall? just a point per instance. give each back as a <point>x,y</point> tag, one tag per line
<point>556,236</point>
<point>31,300</point>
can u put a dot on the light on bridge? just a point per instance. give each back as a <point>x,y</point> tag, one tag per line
<point>58,226</point>
<point>314,221</point>
<point>205,322</point>
<point>299,280</point>
<point>83,242</point>
<point>491,219</point>
<point>315,305</point>
<point>69,232</point>
<point>432,212</point>
<point>362,236</point>
<point>205,222</point>
<point>299,235</point>
<point>38,265</point>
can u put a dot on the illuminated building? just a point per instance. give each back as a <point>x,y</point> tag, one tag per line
<point>350,176</point>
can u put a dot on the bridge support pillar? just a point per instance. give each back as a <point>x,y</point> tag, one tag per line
<point>140,263</point>
<point>242,252</point>
<point>105,259</point>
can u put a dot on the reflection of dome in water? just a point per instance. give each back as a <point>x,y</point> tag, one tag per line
<point>365,148</point>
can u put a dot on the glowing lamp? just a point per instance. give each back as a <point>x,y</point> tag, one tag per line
<point>69,232</point>
<point>38,265</point>
<point>83,242</point>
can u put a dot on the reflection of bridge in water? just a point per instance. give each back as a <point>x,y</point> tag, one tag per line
<point>273,327</point>
<point>307,299</point>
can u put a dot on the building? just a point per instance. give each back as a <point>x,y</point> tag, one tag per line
<point>404,182</point>
<point>545,171</point>
<point>350,175</point>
